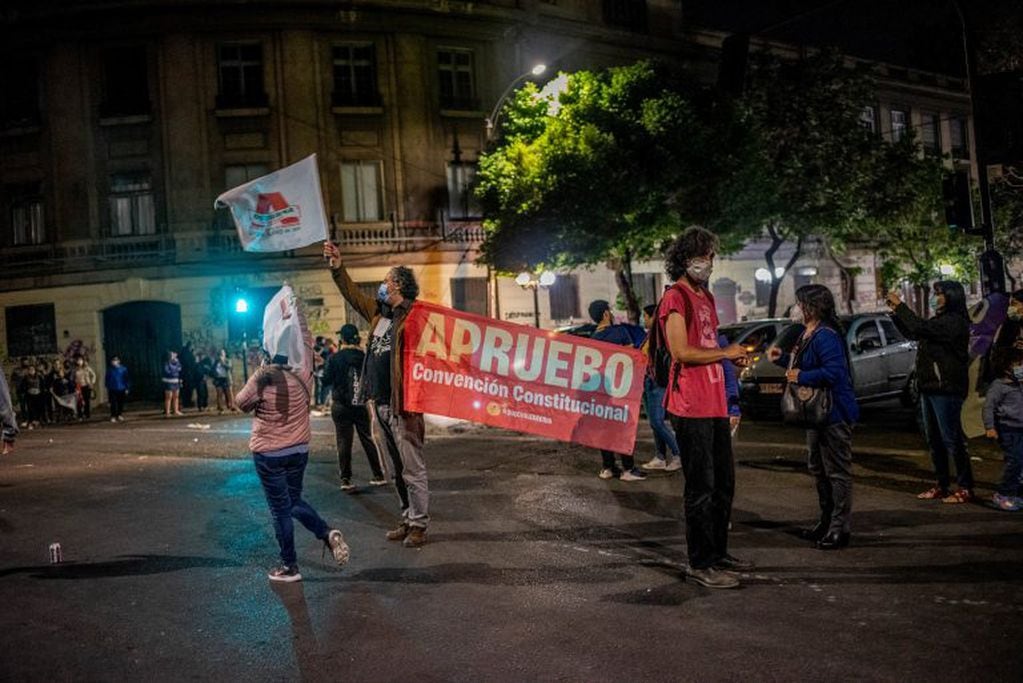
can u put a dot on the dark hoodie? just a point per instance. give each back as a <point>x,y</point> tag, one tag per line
<point>942,357</point>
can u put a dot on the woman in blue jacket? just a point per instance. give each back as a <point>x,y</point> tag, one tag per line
<point>822,361</point>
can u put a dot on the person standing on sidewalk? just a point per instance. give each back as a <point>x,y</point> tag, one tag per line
<point>943,377</point>
<point>278,396</point>
<point>696,401</point>
<point>116,381</point>
<point>172,385</point>
<point>397,430</point>
<point>343,374</point>
<point>666,457</point>
<point>8,421</point>
<point>203,369</point>
<point>821,360</point>
<point>222,382</point>
<point>1003,420</point>
<point>608,331</point>
<point>85,380</point>
<point>17,375</point>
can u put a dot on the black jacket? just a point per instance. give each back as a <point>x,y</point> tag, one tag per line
<point>342,372</point>
<point>942,356</point>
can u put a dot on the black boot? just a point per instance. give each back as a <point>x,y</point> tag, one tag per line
<point>833,540</point>
<point>819,531</point>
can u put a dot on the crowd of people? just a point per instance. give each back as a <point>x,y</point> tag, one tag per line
<point>690,395</point>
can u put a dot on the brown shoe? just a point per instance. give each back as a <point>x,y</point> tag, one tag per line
<point>398,534</point>
<point>416,537</point>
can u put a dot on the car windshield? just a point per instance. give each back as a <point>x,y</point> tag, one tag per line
<point>788,337</point>
<point>732,332</point>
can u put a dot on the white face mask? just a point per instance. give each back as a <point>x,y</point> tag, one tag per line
<point>1015,314</point>
<point>796,314</point>
<point>699,269</point>
<point>1017,372</point>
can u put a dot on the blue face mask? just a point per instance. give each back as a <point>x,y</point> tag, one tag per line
<point>382,292</point>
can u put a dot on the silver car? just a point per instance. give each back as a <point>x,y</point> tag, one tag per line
<point>882,365</point>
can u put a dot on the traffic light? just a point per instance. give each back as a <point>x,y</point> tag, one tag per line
<point>955,189</point>
<point>241,305</point>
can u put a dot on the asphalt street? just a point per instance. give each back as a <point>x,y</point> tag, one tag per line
<point>535,570</point>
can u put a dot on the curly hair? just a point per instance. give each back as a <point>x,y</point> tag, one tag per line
<point>406,281</point>
<point>693,243</point>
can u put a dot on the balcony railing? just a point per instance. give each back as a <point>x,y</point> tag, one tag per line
<point>221,247</point>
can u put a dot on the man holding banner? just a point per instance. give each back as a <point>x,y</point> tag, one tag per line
<point>698,407</point>
<point>397,431</point>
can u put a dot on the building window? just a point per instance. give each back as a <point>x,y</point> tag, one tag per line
<point>958,137</point>
<point>31,330</point>
<point>27,218</point>
<point>647,287</point>
<point>241,76</point>
<point>125,81</point>
<point>627,14</point>
<point>19,83</point>
<point>564,296</point>
<point>233,177</point>
<point>462,201</point>
<point>868,118</point>
<point>899,121</point>
<point>132,211</point>
<point>469,294</point>
<point>457,82</point>
<point>361,191</point>
<point>930,132</point>
<point>355,75</point>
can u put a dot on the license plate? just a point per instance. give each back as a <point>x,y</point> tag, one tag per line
<point>771,388</point>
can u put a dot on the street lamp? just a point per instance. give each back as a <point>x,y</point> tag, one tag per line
<point>528,280</point>
<point>241,308</point>
<point>492,120</point>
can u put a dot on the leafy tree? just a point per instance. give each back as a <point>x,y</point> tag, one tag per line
<point>819,171</point>
<point>607,169</point>
<point>1007,203</point>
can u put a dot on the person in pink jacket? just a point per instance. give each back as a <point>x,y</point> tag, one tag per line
<point>278,396</point>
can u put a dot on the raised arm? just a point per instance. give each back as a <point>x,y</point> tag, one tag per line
<point>364,305</point>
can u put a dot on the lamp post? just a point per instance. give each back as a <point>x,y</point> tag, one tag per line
<point>241,308</point>
<point>495,114</point>
<point>528,280</point>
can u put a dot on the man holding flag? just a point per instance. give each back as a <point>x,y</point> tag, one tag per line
<point>397,431</point>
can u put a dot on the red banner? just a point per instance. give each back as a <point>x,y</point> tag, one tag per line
<point>555,385</point>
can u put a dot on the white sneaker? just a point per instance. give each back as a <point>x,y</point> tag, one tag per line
<point>120,419</point>
<point>606,474</point>
<point>633,475</point>
<point>378,482</point>
<point>674,466</point>
<point>654,464</point>
<point>113,419</point>
<point>338,547</point>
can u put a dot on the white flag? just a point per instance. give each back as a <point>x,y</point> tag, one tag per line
<point>284,331</point>
<point>280,211</point>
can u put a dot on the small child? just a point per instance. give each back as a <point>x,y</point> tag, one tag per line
<point>1003,420</point>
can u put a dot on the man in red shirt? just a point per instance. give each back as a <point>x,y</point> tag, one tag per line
<point>695,400</point>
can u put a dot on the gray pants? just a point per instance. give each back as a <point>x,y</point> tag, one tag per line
<point>830,463</point>
<point>401,437</point>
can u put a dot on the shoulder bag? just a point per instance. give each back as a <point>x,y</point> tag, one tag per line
<point>803,406</point>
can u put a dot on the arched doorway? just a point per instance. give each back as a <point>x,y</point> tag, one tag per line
<point>141,333</point>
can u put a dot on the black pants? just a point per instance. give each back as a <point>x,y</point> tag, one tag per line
<point>346,419</point>
<point>608,461</point>
<point>202,395</point>
<point>85,404</point>
<point>830,463</point>
<point>117,402</point>
<point>706,451</point>
<point>36,408</point>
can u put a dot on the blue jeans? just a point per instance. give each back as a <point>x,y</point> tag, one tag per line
<point>1011,441</point>
<point>281,478</point>
<point>943,429</point>
<point>664,437</point>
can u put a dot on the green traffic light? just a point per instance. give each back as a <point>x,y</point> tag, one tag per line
<point>241,305</point>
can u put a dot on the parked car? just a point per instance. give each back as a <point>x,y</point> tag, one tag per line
<point>882,363</point>
<point>755,335</point>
